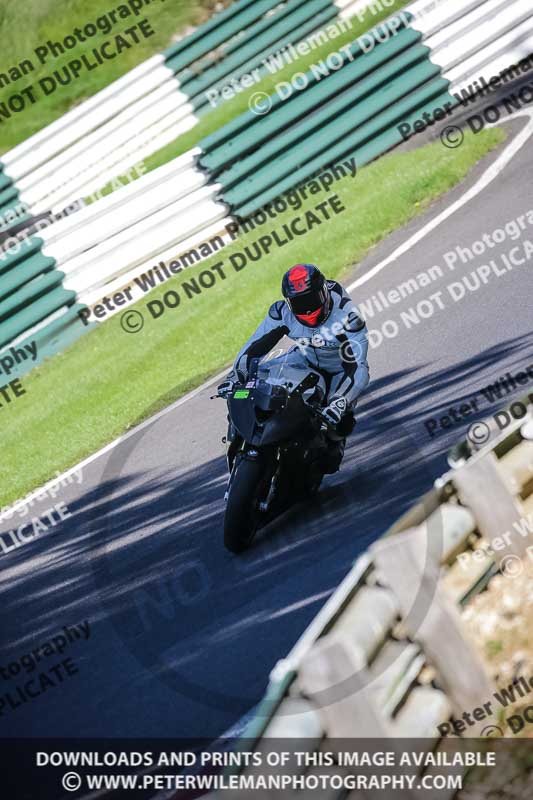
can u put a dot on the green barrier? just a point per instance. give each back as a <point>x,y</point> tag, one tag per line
<point>354,111</point>
<point>276,37</point>
<point>259,27</point>
<point>38,311</point>
<point>431,96</point>
<point>53,338</point>
<point>5,181</point>
<point>201,102</point>
<point>212,23</point>
<point>336,111</point>
<point>62,330</point>
<point>244,37</point>
<point>8,199</point>
<point>32,266</point>
<point>27,247</point>
<point>215,32</point>
<point>393,137</point>
<point>217,77</point>
<point>350,127</point>
<point>25,295</point>
<point>247,122</point>
<point>19,219</point>
<point>305,103</point>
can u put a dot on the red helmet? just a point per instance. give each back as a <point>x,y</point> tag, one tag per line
<point>307,294</point>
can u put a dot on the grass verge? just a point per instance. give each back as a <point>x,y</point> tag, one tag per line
<point>107,381</point>
<point>26,26</point>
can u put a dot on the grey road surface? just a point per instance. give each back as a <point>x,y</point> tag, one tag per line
<point>182,635</point>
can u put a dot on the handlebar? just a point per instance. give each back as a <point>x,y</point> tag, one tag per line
<point>318,411</point>
<point>315,408</point>
<point>225,395</point>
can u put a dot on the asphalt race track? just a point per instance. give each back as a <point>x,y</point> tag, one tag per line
<point>180,628</point>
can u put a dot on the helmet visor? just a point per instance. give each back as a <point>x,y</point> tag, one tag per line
<point>308,302</point>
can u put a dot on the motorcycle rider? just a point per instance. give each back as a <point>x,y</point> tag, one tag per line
<point>331,337</point>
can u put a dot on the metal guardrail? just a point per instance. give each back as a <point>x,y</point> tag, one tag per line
<point>388,656</point>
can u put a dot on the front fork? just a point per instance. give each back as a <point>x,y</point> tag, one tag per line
<point>234,454</point>
<point>234,443</point>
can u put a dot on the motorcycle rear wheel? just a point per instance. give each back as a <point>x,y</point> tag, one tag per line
<point>243,516</point>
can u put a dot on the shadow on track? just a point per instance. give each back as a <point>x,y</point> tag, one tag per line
<point>142,558</point>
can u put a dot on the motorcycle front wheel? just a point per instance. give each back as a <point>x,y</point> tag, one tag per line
<point>243,516</point>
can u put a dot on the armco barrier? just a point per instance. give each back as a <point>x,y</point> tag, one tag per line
<point>415,62</point>
<point>388,656</point>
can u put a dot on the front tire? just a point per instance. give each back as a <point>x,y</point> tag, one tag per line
<point>243,517</point>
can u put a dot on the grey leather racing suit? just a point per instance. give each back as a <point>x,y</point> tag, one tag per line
<point>337,349</point>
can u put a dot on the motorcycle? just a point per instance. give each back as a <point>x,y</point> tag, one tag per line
<point>279,446</point>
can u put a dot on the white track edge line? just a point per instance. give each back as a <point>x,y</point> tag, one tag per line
<point>484,181</point>
<point>491,173</point>
<point>122,438</point>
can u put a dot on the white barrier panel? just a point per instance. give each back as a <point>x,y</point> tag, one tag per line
<point>490,30</point>
<point>499,55</point>
<point>143,240</point>
<point>85,118</point>
<point>136,112</point>
<point>130,257</point>
<point>93,186</point>
<point>114,202</point>
<point>429,20</point>
<point>68,173</point>
<point>125,218</point>
<point>81,237</point>
<point>454,31</point>
<point>95,177</point>
<point>94,295</point>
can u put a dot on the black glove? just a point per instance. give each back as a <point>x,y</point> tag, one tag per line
<point>334,412</point>
<point>226,387</point>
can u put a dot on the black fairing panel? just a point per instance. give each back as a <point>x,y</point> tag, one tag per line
<point>260,428</point>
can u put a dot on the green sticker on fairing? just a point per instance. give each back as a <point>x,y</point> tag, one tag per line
<point>242,394</point>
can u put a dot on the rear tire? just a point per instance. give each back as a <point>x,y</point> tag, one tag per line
<point>243,517</point>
